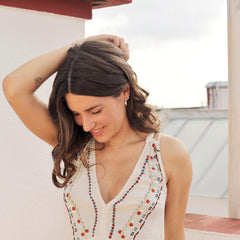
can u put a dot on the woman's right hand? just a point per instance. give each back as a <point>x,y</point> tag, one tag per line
<point>118,41</point>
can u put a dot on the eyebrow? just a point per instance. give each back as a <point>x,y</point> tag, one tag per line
<point>91,108</point>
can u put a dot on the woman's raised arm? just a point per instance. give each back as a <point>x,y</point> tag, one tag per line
<point>19,87</point>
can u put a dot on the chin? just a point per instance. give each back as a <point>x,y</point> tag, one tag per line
<point>102,139</point>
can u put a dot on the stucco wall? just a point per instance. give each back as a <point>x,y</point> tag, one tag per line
<point>31,207</point>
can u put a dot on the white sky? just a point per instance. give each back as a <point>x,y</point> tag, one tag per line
<point>176,47</point>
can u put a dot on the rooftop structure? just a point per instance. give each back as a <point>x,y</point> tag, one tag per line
<point>205,133</point>
<point>217,95</point>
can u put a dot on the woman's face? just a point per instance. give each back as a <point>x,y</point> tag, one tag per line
<point>103,117</point>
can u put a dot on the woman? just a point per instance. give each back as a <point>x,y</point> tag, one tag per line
<point>123,179</point>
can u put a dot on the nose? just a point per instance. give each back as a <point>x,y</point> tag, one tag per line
<point>88,124</point>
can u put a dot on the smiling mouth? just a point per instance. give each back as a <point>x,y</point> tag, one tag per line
<point>97,132</point>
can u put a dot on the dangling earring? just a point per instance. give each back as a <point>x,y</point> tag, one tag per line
<point>126,103</point>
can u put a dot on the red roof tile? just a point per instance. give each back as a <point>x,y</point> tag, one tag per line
<point>212,224</point>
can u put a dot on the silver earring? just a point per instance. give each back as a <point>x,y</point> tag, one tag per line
<point>126,103</point>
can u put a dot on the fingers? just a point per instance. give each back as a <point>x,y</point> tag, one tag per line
<point>116,40</point>
<point>120,42</point>
<point>126,51</point>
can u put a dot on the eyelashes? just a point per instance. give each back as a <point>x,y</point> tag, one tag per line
<point>97,111</point>
<point>76,114</point>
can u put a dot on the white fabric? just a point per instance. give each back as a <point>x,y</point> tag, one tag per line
<point>137,212</point>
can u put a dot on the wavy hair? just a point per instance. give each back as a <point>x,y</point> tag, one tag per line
<point>94,68</point>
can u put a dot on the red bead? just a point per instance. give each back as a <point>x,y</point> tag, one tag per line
<point>86,231</point>
<point>147,201</point>
<point>78,221</point>
<point>138,212</point>
<point>119,231</point>
<point>123,236</point>
<point>82,234</point>
<point>153,190</point>
<point>73,208</point>
<point>67,195</point>
<point>130,224</point>
<point>70,182</point>
<point>153,168</point>
<point>151,157</point>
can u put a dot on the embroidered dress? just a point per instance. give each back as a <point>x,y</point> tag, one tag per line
<point>137,212</point>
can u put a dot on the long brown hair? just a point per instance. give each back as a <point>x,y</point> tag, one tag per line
<point>95,68</point>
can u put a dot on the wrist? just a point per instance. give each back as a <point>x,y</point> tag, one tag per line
<point>76,42</point>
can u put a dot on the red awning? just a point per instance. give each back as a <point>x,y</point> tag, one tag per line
<point>74,8</point>
<point>108,3</point>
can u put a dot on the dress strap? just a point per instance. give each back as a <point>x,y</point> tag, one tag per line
<point>157,136</point>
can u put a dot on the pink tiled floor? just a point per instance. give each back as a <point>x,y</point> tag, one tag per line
<point>212,224</point>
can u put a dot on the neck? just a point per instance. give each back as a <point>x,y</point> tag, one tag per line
<point>124,137</point>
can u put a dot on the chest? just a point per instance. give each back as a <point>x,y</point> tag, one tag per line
<point>114,169</point>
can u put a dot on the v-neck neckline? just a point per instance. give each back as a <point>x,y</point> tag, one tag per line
<point>129,180</point>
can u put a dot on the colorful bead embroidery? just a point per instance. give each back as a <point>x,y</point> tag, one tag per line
<point>124,196</point>
<point>92,199</point>
<point>138,218</point>
<point>79,229</point>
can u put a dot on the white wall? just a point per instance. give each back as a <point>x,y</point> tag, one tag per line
<point>31,207</point>
<point>208,206</point>
<point>234,107</point>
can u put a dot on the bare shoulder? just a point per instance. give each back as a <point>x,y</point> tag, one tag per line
<point>175,157</point>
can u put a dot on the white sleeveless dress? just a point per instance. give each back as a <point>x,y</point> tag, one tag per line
<point>137,212</point>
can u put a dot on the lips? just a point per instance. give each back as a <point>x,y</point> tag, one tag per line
<point>97,132</point>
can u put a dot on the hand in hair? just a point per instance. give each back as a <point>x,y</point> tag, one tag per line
<point>118,41</point>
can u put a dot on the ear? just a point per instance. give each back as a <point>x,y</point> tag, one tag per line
<point>126,92</point>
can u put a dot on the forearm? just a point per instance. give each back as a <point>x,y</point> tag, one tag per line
<point>27,78</point>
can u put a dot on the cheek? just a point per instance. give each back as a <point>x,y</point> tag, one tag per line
<point>117,115</point>
<point>103,119</point>
<point>78,120</point>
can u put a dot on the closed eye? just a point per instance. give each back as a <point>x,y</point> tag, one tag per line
<point>97,111</point>
<point>75,114</point>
